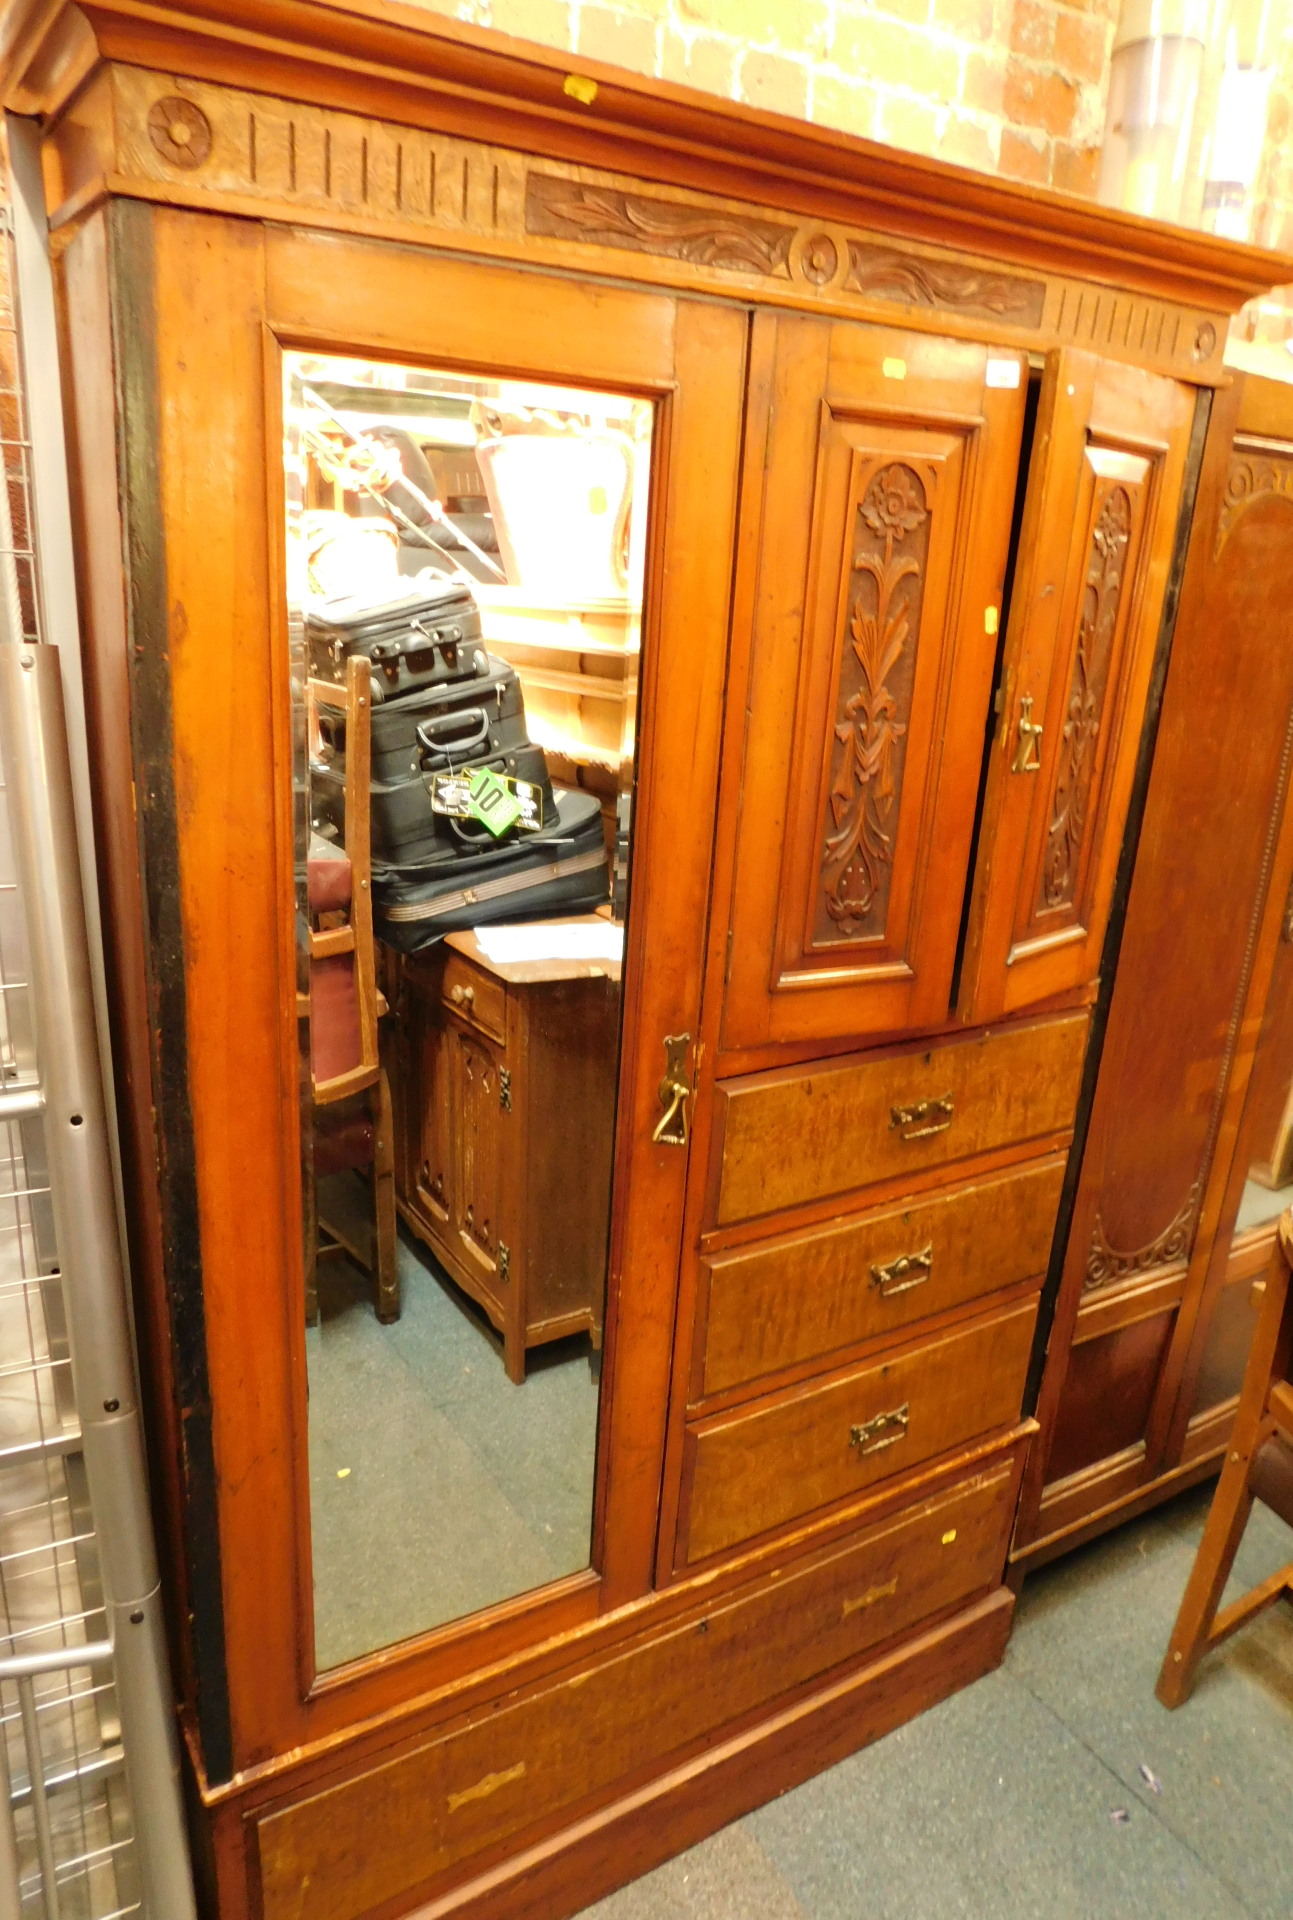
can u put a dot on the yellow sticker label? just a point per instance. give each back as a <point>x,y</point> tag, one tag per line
<point>580,88</point>
<point>949,1536</point>
<point>894,369</point>
<point>990,617</point>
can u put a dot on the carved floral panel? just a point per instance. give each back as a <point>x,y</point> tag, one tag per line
<point>877,671</point>
<point>1101,599</point>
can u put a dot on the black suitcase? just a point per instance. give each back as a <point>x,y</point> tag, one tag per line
<point>416,639</point>
<point>540,876</point>
<point>406,827</point>
<point>485,715</point>
<point>442,730</point>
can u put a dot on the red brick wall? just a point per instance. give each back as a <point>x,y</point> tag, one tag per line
<point>1010,86</point>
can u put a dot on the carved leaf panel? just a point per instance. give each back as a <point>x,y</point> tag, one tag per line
<point>1096,532</point>
<point>877,665</point>
<point>1100,606</point>
<point>887,473</point>
<point>1083,711</point>
<point>877,670</point>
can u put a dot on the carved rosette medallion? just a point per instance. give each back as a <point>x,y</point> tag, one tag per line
<point>610,217</point>
<point>180,131</point>
<point>882,623</point>
<point>819,260</point>
<point>1106,1265</point>
<point>1101,598</point>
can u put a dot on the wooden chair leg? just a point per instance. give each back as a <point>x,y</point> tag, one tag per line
<point>386,1271</point>
<point>1231,1505</point>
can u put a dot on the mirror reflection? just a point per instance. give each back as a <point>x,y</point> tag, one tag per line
<point>1268,1117</point>
<point>464,565</point>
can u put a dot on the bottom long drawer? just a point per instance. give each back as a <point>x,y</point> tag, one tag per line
<point>366,1841</point>
<point>749,1471</point>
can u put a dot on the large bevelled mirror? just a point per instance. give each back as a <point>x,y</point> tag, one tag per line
<point>465,557</point>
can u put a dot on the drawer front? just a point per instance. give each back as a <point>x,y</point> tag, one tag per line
<point>370,1839</point>
<point>476,997</point>
<point>806,1134</point>
<point>802,1297</point>
<point>758,1469</point>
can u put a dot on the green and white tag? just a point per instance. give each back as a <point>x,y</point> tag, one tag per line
<point>465,797</point>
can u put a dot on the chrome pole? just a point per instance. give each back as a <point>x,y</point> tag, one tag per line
<point>39,1800</point>
<point>10,1881</point>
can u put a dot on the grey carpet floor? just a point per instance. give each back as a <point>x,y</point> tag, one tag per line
<point>1056,1788</point>
<point>436,1485</point>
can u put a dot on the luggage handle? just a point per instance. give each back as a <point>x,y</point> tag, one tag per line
<point>440,723</point>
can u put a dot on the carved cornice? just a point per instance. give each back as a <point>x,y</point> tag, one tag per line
<point>227,149</point>
<point>394,62</point>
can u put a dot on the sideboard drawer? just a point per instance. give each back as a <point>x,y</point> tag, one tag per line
<point>477,997</point>
<point>803,1296</point>
<point>800,1134</point>
<point>750,1471</point>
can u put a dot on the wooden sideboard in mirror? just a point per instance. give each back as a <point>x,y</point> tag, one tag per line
<point>465,580</point>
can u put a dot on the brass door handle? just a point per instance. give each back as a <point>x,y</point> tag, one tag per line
<point>885,1430</point>
<point>901,1275</point>
<point>671,1129</point>
<point>918,1121</point>
<point>1028,755</point>
<point>463,996</point>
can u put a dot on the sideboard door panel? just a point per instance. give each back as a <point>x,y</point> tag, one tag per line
<point>888,478</point>
<point>1099,521</point>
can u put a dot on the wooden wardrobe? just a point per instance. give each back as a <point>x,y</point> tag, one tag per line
<point>1155,1310</point>
<point>926,448</point>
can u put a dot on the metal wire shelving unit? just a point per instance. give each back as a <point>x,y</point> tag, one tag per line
<point>81,1652</point>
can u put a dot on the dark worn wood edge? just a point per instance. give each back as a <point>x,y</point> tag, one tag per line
<point>130,243</point>
<point>392,60</point>
<point>1121,893</point>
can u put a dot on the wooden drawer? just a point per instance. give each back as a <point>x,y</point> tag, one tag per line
<point>372,1838</point>
<point>810,1133</point>
<point>475,996</point>
<point>749,1471</point>
<point>779,1303</point>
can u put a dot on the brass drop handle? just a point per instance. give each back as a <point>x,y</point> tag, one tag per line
<point>901,1275</point>
<point>1028,755</point>
<point>675,1090</point>
<point>921,1119</point>
<point>884,1430</point>
<point>463,996</point>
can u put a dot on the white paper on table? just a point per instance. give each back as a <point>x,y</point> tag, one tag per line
<point>539,941</point>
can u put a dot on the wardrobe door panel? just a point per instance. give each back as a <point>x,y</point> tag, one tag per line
<point>1099,520</point>
<point>888,480</point>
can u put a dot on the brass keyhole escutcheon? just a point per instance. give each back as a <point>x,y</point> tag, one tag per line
<point>671,1130</point>
<point>1028,754</point>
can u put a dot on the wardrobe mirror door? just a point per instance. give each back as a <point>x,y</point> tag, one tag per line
<point>465,558</point>
<point>888,475</point>
<point>1268,1114</point>
<point>1095,543</point>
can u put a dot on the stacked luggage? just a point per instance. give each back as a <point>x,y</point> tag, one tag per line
<point>466,826</point>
